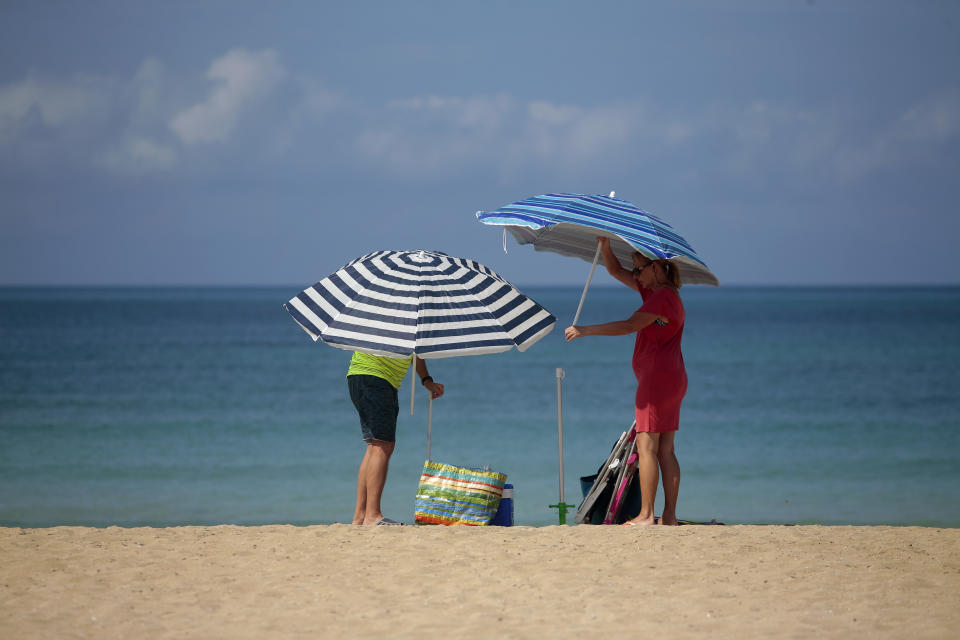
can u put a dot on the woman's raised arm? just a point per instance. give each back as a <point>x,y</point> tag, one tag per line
<point>613,265</point>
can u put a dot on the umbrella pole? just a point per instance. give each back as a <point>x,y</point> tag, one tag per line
<point>596,257</point>
<point>561,506</point>
<point>413,383</point>
<point>429,423</point>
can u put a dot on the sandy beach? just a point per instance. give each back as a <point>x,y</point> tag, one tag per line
<point>521,582</point>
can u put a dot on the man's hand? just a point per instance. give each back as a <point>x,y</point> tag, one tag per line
<point>435,389</point>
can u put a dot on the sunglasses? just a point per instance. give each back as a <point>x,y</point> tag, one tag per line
<point>638,270</point>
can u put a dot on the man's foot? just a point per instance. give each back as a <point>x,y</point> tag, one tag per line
<point>388,522</point>
<point>670,520</point>
<point>372,520</point>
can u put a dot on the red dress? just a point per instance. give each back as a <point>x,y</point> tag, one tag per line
<point>658,363</point>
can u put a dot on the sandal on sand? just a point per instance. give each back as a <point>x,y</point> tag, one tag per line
<point>389,522</point>
<point>631,523</point>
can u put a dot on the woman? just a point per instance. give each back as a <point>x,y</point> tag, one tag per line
<point>661,376</point>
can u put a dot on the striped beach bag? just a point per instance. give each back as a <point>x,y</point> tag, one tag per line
<point>457,495</point>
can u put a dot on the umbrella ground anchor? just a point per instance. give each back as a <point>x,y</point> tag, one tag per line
<point>563,506</point>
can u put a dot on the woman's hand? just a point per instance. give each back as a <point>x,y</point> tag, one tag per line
<point>634,323</point>
<point>571,333</point>
<point>604,242</point>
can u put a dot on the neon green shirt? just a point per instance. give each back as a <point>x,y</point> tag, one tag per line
<point>393,370</point>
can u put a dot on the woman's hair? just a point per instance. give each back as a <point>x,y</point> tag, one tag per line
<point>672,273</point>
<point>670,269</point>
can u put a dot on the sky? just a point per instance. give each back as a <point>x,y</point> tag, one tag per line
<point>791,142</point>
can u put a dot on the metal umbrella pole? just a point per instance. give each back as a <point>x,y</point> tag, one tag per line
<point>413,384</point>
<point>429,423</point>
<point>593,266</point>
<point>583,296</point>
<point>561,506</point>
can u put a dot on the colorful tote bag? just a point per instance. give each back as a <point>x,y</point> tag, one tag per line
<point>457,495</point>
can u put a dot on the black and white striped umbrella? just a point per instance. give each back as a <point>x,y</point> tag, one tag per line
<point>396,303</point>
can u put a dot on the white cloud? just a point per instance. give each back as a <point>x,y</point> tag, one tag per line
<point>761,138</point>
<point>551,114</point>
<point>596,132</point>
<point>484,113</point>
<point>85,120</point>
<point>158,121</point>
<point>317,101</point>
<point>767,142</point>
<point>131,125</point>
<point>762,144</point>
<point>137,155</point>
<point>935,120</point>
<point>150,84</point>
<point>52,103</point>
<point>435,135</point>
<point>241,79</point>
<point>912,138</point>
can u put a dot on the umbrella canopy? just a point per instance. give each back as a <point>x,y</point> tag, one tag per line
<point>569,223</point>
<point>396,303</point>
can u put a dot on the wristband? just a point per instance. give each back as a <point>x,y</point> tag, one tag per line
<point>426,379</point>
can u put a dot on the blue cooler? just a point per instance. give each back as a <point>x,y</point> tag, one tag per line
<point>504,515</point>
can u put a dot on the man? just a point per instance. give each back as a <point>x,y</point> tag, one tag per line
<point>373,383</point>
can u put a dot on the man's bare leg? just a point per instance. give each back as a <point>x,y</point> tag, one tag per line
<point>670,468</point>
<point>361,509</point>
<point>376,463</point>
<point>648,473</point>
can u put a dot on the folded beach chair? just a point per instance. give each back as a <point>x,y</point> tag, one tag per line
<point>612,495</point>
<point>612,486</point>
<point>628,472</point>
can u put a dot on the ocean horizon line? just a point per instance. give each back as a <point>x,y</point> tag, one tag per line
<point>521,285</point>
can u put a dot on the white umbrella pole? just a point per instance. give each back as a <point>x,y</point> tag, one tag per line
<point>596,257</point>
<point>561,506</point>
<point>413,382</point>
<point>560,375</point>
<point>429,423</point>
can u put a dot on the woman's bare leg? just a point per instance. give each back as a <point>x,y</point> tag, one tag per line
<point>648,473</point>
<point>670,468</point>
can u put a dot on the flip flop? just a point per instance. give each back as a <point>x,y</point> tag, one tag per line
<point>388,522</point>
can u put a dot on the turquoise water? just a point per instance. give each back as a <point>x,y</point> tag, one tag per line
<point>171,406</point>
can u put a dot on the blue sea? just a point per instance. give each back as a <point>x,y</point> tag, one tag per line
<point>177,406</point>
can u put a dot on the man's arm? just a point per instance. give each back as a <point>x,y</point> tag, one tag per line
<point>435,388</point>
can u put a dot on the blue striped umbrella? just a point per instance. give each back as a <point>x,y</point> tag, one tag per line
<point>569,223</point>
<point>397,303</point>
